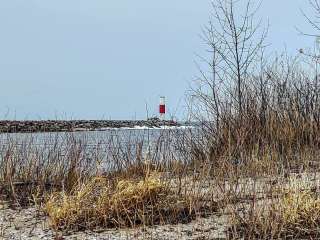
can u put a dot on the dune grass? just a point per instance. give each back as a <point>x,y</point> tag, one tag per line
<point>295,215</point>
<point>127,203</point>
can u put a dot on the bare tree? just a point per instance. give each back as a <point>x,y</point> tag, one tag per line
<point>314,21</point>
<point>234,42</point>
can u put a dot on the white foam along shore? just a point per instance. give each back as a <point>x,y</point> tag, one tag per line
<point>148,128</point>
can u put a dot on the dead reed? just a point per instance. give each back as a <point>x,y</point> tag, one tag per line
<point>126,204</point>
<point>294,215</point>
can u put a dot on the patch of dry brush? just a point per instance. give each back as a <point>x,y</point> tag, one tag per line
<point>126,204</point>
<point>294,215</point>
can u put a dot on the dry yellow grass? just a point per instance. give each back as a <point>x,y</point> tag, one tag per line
<point>295,215</point>
<point>128,203</point>
<point>300,210</point>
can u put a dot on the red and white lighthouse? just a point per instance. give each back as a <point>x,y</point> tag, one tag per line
<point>162,108</point>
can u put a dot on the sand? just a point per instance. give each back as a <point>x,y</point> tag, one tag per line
<point>30,223</point>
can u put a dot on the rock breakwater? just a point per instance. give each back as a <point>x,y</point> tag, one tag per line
<point>78,125</point>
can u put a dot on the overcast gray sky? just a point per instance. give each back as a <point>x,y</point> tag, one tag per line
<point>93,59</point>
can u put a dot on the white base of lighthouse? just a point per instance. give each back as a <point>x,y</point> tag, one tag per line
<point>162,116</point>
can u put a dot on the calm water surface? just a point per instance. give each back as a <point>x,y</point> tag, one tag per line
<point>107,146</point>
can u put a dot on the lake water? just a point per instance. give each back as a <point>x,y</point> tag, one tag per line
<point>108,147</point>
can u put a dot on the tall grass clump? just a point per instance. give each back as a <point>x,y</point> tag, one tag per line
<point>31,165</point>
<point>124,203</point>
<point>295,215</point>
<point>275,131</point>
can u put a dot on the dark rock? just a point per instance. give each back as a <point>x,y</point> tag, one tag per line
<point>73,125</point>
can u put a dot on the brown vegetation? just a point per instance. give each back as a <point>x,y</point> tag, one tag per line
<point>127,204</point>
<point>255,152</point>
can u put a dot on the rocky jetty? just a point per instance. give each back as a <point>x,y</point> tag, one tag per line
<point>78,125</point>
